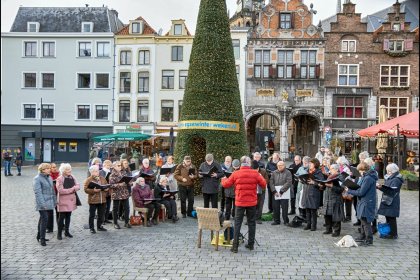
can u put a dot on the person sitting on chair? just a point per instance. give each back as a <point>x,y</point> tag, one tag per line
<point>167,199</point>
<point>143,198</point>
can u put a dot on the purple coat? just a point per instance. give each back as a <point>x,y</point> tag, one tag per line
<point>140,193</point>
<point>66,198</point>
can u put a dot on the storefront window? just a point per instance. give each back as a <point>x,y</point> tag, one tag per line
<point>62,146</point>
<point>73,147</point>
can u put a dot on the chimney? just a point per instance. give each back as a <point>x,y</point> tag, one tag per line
<point>87,5</point>
<point>349,7</point>
<point>338,6</point>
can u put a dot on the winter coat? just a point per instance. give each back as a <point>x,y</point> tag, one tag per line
<point>245,181</point>
<point>263,173</point>
<point>159,192</point>
<point>229,192</point>
<point>95,197</point>
<point>172,183</point>
<point>210,185</point>
<point>119,191</point>
<point>181,172</point>
<point>333,201</point>
<point>313,194</point>
<point>295,168</point>
<point>391,192</point>
<point>366,196</point>
<point>281,178</point>
<point>140,193</point>
<point>66,198</point>
<point>299,192</point>
<point>45,198</point>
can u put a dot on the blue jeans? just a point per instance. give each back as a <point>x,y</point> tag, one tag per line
<point>7,166</point>
<point>19,168</point>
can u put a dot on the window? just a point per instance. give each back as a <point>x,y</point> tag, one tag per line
<point>48,49</point>
<point>47,80</point>
<point>180,102</point>
<point>83,80</point>
<point>183,76</point>
<point>125,82</point>
<point>48,111</point>
<point>396,106</point>
<point>396,45</point>
<point>143,81</point>
<point>87,26</point>
<point>396,27</point>
<point>136,27</point>
<point>29,80</point>
<point>29,111</point>
<point>285,66</point>
<point>262,64</point>
<point>124,111</point>
<point>101,112</point>
<point>168,79</point>
<point>85,49</point>
<point>285,21</point>
<point>178,29</point>
<point>143,111</point>
<point>103,49</point>
<point>348,45</point>
<point>30,49</point>
<point>73,147</point>
<point>167,111</point>
<point>349,107</point>
<point>102,80</point>
<point>125,58</point>
<point>236,48</point>
<point>308,67</point>
<point>177,53</point>
<point>33,27</point>
<point>348,75</point>
<point>395,75</point>
<point>83,112</point>
<point>144,57</point>
<point>62,146</point>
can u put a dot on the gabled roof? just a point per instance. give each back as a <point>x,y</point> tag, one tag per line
<point>186,28</point>
<point>63,19</point>
<point>147,29</point>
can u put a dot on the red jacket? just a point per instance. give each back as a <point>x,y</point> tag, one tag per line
<point>245,181</point>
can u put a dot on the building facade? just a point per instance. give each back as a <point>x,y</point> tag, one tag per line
<point>57,81</point>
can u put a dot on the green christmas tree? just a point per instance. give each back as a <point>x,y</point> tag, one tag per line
<point>212,91</point>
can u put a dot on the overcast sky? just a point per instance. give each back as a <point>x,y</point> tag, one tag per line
<point>158,13</point>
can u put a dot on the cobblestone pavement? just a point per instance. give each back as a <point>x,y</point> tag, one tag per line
<point>169,251</point>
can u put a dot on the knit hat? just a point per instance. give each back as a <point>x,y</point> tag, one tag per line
<point>236,163</point>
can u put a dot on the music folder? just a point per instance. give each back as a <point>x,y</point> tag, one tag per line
<point>132,166</point>
<point>323,182</point>
<point>227,173</point>
<point>350,184</point>
<point>208,173</point>
<point>304,178</point>
<point>191,171</point>
<point>150,199</point>
<point>166,170</point>
<point>126,179</point>
<point>93,185</point>
<point>170,192</point>
<point>146,176</point>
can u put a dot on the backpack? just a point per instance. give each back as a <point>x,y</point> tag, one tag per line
<point>297,221</point>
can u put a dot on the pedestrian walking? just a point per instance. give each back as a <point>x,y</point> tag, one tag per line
<point>19,161</point>
<point>7,161</point>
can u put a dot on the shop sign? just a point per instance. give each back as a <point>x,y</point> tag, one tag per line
<point>304,93</point>
<point>265,92</point>
<point>209,125</point>
<point>133,127</point>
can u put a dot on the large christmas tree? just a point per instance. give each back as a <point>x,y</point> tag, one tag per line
<point>211,117</point>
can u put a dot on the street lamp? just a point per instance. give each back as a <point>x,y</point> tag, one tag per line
<point>41,153</point>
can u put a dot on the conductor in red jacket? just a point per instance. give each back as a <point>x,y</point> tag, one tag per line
<point>245,181</point>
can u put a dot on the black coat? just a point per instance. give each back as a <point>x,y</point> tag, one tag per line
<point>313,197</point>
<point>391,192</point>
<point>210,185</point>
<point>295,168</point>
<point>333,201</point>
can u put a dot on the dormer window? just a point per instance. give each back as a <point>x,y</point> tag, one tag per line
<point>87,27</point>
<point>177,29</point>
<point>137,27</point>
<point>33,26</point>
<point>396,27</point>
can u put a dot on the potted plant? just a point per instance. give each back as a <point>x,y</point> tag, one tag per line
<point>411,179</point>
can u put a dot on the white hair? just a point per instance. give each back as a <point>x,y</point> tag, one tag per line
<point>64,167</point>
<point>163,178</point>
<point>95,160</point>
<point>335,166</point>
<point>93,168</point>
<point>369,161</point>
<point>342,160</point>
<point>306,159</point>
<point>363,155</point>
<point>393,168</point>
<point>145,160</point>
<point>245,161</point>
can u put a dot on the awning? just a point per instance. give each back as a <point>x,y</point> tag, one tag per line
<point>165,134</point>
<point>124,136</point>
<point>408,126</point>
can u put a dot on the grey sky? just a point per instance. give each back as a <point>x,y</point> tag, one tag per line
<point>159,13</point>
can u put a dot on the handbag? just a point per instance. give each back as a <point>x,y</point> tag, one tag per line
<point>384,229</point>
<point>135,220</point>
<point>78,202</point>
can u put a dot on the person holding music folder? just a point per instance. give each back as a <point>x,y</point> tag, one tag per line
<point>227,170</point>
<point>167,198</point>
<point>293,168</point>
<point>170,166</point>
<point>210,172</point>
<point>365,202</point>
<point>271,167</point>
<point>67,186</point>
<point>312,200</point>
<point>126,171</point>
<point>260,191</point>
<point>96,187</point>
<point>344,173</point>
<point>230,193</point>
<point>302,188</point>
<point>45,199</point>
<point>283,178</point>
<point>119,195</point>
<point>390,202</point>
<point>105,172</point>
<point>333,208</point>
<point>245,181</point>
<point>143,198</point>
<point>185,174</point>
<point>147,173</point>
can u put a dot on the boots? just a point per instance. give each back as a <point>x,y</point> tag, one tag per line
<point>374,226</point>
<point>234,248</point>
<point>43,243</point>
<point>67,233</point>
<point>59,234</point>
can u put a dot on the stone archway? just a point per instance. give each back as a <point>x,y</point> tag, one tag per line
<point>304,135</point>
<point>262,124</point>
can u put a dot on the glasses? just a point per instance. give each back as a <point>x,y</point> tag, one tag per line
<point>118,165</point>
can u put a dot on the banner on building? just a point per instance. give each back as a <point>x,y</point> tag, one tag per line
<point>209,125</point>
<point>304,92</point>
<point>265,92</point>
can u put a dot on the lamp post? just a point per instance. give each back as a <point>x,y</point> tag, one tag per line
<point>41,153</point>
